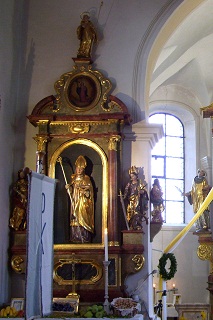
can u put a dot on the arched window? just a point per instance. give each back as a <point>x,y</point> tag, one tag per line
<point>168,160</point>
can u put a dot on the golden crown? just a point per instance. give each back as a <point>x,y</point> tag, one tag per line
<point>134,170</point>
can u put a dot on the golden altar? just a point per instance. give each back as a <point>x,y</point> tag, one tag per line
<point>91,124</point>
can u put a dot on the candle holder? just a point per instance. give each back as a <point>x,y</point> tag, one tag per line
<point>106,295</point>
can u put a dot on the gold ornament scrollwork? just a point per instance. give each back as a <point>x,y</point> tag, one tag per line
<point>112,104</point>
<point>139,261</point>
<point>204,252</point>
<point>79,127</point>
<point>16,263</point>
<point>59,85</point>
<point>113,142</point>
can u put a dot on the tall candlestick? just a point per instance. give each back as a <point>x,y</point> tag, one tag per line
<point>106,243</point>
<point>106,296</point>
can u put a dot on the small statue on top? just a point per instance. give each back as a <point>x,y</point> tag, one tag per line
<point>136,195</point>
<point>87,35</point>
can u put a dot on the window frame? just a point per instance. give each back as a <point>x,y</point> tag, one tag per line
<point>165,157</point>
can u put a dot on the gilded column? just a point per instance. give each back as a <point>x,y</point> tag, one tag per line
<point>113,190</point>
<point>41,166</point>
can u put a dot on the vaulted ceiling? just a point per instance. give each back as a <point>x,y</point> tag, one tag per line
<point>187,57</point>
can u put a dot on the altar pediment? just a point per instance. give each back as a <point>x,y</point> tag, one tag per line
<point>69,104</point>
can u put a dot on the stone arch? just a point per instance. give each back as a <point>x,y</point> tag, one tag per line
<point>159,31</point>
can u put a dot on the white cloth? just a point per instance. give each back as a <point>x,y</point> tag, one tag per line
<point>39,246</point>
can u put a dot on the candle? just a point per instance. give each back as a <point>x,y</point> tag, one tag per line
<point>154,287</point>
<point>106,243</point>
<point>173,286</point>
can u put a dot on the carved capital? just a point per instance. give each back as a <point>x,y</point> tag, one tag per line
<point>113,142</point>
<point>41,142</point>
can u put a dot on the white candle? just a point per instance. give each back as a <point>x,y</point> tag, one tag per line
<point>154,288</point>
<point>164,302</point>
<point>106,243</point>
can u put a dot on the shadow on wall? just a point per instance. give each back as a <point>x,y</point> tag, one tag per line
<point>21,75</point>
<point>136,113</point>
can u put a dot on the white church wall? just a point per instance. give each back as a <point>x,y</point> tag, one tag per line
<point>8,96</point>
<point>52,37</point>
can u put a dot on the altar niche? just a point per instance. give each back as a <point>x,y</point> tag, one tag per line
<point>96,170</point>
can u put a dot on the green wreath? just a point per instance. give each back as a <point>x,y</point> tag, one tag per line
<point>162,264</point>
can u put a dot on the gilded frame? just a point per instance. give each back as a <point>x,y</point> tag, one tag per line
<point>97,89</point>
<point>61,281</point>
<point>82,91</point>
<point>56,154</point>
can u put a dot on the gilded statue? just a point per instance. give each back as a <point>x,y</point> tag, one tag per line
<point>156,198</point>
<point>20,201</point>
<point>80,190</point>
<point>87,35</point>
<point>199,191</point>
<point>137,199</point>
